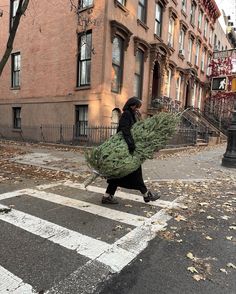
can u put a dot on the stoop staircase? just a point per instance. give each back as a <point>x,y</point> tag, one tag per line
<point>207,133</point>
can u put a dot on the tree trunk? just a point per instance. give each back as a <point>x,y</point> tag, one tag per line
<point>23,4</point>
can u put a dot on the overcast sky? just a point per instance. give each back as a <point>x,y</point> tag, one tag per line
<point>229,6</point>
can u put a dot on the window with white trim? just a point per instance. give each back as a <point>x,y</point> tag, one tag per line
<point>205,28</point>
<point>142,10</point>
<point>158,19</point>
<point>15,69</point>
<point>16,117</point>
<point>170,40</point>
<point>194,94</point>
<point>197,53</point>
<point>181,41</point>
<point>138,75</point>
<point>184,5</point>
<point>178,87</point>
<point>85,3</point>
<point>203,60</point>
<point>84,59</point>
<point>199,102</point>
<point>117,64</point>
<point>168,82</point>
<point>81,120</point>
<point>192,12</point>
<point>190,49</point>
<point>13,8</point>
<point>200,16</point>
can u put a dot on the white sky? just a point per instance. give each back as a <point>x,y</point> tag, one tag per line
<point>229,6</point>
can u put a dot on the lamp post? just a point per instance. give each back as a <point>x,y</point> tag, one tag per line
<point>229,159</point>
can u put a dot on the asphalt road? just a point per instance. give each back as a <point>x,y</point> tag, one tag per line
<point>58,238</point>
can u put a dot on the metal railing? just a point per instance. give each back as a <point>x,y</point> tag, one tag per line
<point>81,135</point>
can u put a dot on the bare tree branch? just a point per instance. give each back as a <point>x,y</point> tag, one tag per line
<point>23,4</point>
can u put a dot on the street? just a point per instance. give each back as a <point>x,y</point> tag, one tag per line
<point>56,237</point>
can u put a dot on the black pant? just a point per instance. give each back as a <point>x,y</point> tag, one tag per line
<point>132,181</point>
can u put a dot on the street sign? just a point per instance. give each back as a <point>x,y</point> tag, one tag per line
<point>219,84</point>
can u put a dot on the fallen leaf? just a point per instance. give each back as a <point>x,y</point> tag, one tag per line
<point>179,218</point>
<point>192,269</point>
<point>198,277</point>
<point>223,270</point>
<point>190,255</point>
<point>229,238</point>
<point>231,265</point>
<point>210,217</point>
<point>225,217</point>
<point>232,227</point>
<point>128,205</point>
<point>208,238</point>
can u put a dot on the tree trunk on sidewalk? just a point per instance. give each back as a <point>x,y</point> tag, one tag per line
<point>23,4</point>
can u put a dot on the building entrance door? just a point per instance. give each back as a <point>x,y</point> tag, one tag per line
<point>156,81</point>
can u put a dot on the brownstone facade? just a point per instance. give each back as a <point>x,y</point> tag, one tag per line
<point>60,74</point>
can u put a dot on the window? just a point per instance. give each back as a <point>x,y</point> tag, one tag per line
<point>190,49</point>
<point>117,64</point>
<point>194,94</point>
<point>168,82</point>
<point>138,76</point>
<point>15,71</point>
<point>158,19</point>
<point>205,28</point>
<point>178,88</point>
<point>184,5</point>
<point>203,60</point>
<point>13,8</point>
<point>123,2</point>
<point>215,42</point>
<point>200,16</point>
<point>81,116</point>
<point>208,65</point>
<point>142,9</point>
<point>210,36</point>
<point>181,41</point>
<point>199,102</point>
<point>192,12</point>
<point>84,59</point>
<point>16,117</point>
<point>170,40</point>
<point>197,54</point>
<point>85,3</point>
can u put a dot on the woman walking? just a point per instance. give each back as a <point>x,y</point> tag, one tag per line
<point>135,179</point>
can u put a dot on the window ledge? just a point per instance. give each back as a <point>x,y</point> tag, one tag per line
<point>16,130</point>
<point>122,7</point>
<point>196,66</point>
<point>86,8</point>
<point>171,48</point>
<point>192,24</point>
<point>184,13</point>
<point>158,38</point>
<point>80,88</point>
<point>181,56</point>
<point>199,30</point>
<point>15,88</point>
<point>205,38</point>
<point>175,2</point>
<point>202,71</point>
<point>189,63</point>
<point>142,24</point>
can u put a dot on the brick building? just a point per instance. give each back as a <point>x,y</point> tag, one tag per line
<point>65,71</point>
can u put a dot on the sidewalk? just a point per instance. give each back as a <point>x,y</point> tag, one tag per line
<point>190,164</point>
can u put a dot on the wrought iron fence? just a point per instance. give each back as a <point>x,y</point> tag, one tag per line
<point>81,135</point>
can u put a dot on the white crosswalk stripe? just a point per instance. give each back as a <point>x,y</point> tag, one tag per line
<point>10,283</point>
<point>113,256</point>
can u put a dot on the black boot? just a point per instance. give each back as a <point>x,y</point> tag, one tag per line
<point>151,196</point>
<point>109,200</point>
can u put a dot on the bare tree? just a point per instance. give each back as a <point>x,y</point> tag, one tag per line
<point>23,4</point>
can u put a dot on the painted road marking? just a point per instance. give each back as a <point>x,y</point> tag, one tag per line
<point>124,195</point>
<point>69,239</point>
<point>10,283</point>
<point>110,258</point>
<point>116,215</point>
